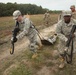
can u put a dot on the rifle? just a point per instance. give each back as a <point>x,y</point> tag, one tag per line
<point>14,34</point>
<point>70,40</point>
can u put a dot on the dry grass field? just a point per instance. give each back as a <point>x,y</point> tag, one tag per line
<point>7,23</point>
<point>21,63</point>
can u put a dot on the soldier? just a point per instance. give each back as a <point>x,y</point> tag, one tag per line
<point>27,29</point>
<point>60,17</point>
<point>73,11</point>
<point>63,30</point>
<point>46,18</point>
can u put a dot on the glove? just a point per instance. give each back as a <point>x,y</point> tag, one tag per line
<point>66,39</point>
<point>66,49</point>
<point>14,39</point>
<point>16,30</point>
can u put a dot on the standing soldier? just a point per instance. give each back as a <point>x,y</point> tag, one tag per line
<point>60,17</point>
<point>27,29</point>
<point>73,11</point>
<point>63,30</point>
<point>47,18</point>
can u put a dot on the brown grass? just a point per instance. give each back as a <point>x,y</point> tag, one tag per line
<point>7,23</point>
<point>44,64</point>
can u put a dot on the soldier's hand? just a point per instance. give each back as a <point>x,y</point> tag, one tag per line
<point>66,49</point>
<point>16,30</point>
<point>14,39</point>
<point>66,39</point>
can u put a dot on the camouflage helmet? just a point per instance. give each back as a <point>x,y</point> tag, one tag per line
<point>72,6</point>
<point>16,14</point>
<point>66,13</point>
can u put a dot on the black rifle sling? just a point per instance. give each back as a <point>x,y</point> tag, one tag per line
<point>70,40</point>
<point>70,36</point>
<point>72,48</point>
<point>14,33</point>
<point>38,33</point>
<point>17,24</point>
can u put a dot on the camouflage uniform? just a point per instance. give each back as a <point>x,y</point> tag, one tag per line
<point>28,30</point>
<point>63,30</point>
<point>74,15</point>
<point>73,12</point>
<point>60,17</point>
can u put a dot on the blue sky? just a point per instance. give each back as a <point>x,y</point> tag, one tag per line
<point>50,4</point>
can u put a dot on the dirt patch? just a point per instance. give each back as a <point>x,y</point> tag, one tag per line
<point>20,47</point>
<point>44,71</point>
<point>6,72</point>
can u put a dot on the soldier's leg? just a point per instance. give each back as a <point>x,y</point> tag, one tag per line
<point>35,43</point>
<point>33,50</point>
<point>33,46</point>
<point>62,55</point>
<point>62,61</point>
<point>46,23</point>
<point>38,42</point>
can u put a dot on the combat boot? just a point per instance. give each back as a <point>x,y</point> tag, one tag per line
<point>62,64</point>
<point>34,55</point>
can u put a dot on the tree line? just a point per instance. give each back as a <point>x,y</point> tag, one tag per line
<point>8,8</point>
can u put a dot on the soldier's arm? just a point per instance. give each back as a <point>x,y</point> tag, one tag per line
<point>59,33</point>
<point>25,29</point>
